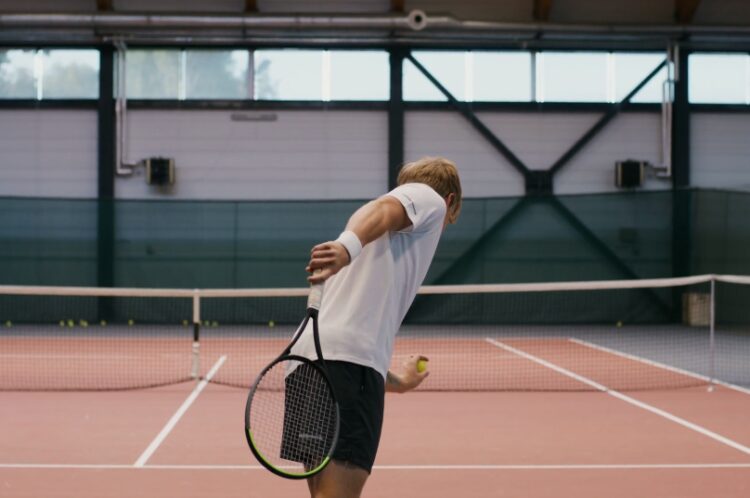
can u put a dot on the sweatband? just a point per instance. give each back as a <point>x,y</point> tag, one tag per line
<point>351,242</point>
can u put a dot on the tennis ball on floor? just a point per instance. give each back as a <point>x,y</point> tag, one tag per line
<point>619,323</point>
<point>131,322</point>
<point>71,323</point>
<point>62,323</point>
<point>421,366</point>
<point>103,323</point>
<point>184,323</point>
<point>271,323</point>
<point>8,323</point>
<point>84,323</point>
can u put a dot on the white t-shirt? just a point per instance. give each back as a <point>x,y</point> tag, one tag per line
<point>364,303</point>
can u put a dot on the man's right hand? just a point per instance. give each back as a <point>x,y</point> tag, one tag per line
<point>328,257</point>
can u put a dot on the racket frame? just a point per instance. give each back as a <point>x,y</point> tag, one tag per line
<point>312,314</point>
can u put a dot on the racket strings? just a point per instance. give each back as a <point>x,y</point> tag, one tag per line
<point>293,417</point>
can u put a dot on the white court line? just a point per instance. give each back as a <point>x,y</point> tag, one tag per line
<point>178,414</point>
<point>614,466</point>
<point>659,365</point>
<point>585,380</point>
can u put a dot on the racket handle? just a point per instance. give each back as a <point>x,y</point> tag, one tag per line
<point>316,294</point>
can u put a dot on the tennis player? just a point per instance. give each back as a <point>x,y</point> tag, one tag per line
<point>372,273</point>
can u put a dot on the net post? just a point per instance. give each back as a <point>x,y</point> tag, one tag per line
<point>712,336</point>
<point>195,370</point>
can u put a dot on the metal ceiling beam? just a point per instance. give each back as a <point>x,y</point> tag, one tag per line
<point>542,9</point>
<point>684,10</point>
<point>415,21</point>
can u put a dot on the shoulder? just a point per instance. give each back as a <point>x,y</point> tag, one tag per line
<point>422,205</point>
<point>417,193</point>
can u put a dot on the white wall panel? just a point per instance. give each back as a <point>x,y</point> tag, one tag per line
<point>538,140</point>
<point>484,172</point>
<point>627,136</point>
<point>48,153</point>
<point>301,155</point>
<point>720,150</point>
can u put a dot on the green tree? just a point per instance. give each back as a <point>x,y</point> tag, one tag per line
<point>265,87</point>
<point>213,74</point>
<point>153,74</point>
<point>16,81</point>
<point>72,80</point>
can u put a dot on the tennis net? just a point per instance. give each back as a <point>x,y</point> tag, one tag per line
<point>623,335</point>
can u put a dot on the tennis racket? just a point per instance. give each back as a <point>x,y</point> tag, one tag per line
<point>291,415</point>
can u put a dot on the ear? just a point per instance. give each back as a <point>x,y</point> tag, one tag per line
<point>450,199</point>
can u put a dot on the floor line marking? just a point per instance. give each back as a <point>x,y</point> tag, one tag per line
<point>178,414</point>
<point>623,397</point>
<point>659,365</point>
<point>614,466</point>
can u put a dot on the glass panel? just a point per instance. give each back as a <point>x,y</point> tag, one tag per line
<point>359,75</point>
<point>217,74</point>
<point>630,69</point>
<point>448,67</point>
<point>153,74</point>
<point>719,78</point>
<point>288,74</point>
<point>17,74</point>
<point>70,74</point>
<point>572,77</point>
<point>502,76</point>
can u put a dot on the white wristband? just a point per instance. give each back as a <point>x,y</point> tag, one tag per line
<point>351,242</point>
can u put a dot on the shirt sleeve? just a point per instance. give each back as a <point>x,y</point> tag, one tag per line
<point>424,207</point>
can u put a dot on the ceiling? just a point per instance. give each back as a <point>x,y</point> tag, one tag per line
<point>699,12</point>
<point>532,22</point>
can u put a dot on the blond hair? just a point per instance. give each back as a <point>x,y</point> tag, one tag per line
<point>440,174</point>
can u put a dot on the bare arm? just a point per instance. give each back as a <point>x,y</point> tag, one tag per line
<point>368,223</point>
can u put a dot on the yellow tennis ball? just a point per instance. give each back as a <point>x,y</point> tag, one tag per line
<point>271,324</point>
<point>619,324</point>
<point>421,366</point>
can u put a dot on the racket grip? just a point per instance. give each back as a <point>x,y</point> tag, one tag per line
<point>316,295</point>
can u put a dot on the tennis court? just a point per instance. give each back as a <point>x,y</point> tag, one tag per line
<point>174,173</point>
<point>535,409</point>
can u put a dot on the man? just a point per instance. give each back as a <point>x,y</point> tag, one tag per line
<point>372,273</point>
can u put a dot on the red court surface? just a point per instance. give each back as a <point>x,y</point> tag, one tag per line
<point>585,444</point>
<point>187,440</point>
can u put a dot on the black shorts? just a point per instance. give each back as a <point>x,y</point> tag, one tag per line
<point>360,392</point>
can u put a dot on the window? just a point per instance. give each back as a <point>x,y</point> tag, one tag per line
<point>70,74</point>
<point>719,78</point>
<point>631,68</point>
<point>448,67</point>
<point>49,74</point>
<point>502,76</point>
<point>17,79</point>
<point>217,74</point>
<point>359,75</point>
<point>572,77</point>
<point>153,74</point>
<point>289,74</point>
